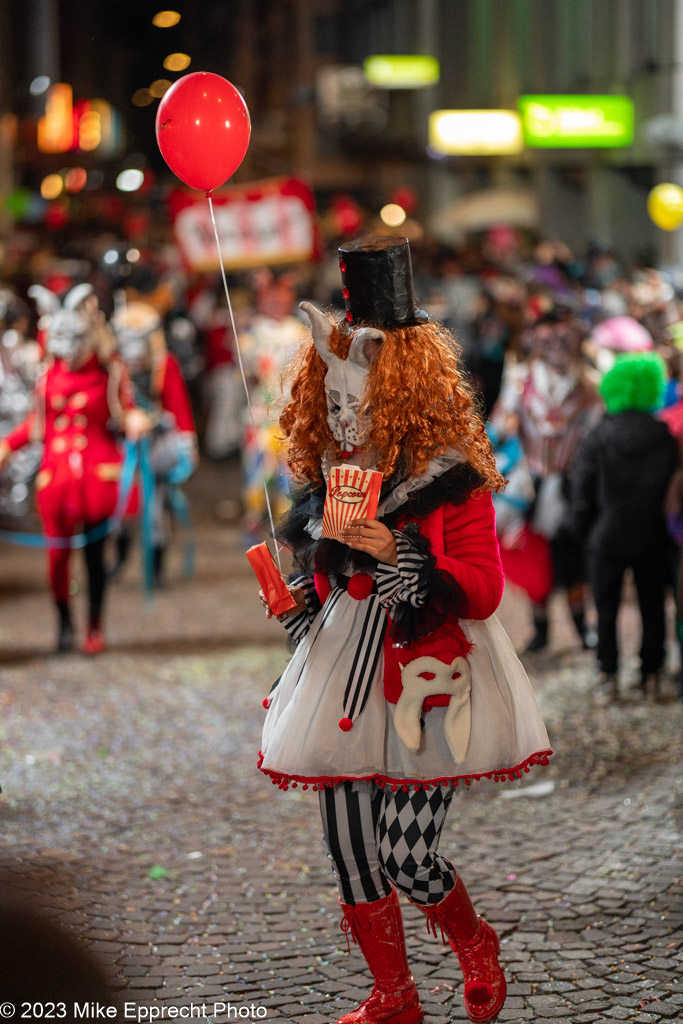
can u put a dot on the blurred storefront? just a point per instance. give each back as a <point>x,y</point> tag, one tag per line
<point>322,114</point>
<point>349,133</point>
<point>491,52</point>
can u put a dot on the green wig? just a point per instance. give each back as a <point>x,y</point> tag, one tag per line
<point>636,383</point>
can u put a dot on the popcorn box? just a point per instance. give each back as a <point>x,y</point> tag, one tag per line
<point>352,493</point>
<point>272,584</point>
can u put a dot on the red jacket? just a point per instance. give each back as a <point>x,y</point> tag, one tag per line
<point>72,416</point>
<point>463,539</point>
<point>170,390</point>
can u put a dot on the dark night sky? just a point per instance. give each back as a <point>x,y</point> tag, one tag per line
<point>109,48</point>
<point>205,32</point>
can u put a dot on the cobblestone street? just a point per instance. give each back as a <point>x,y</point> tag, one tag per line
<point>133,807</point>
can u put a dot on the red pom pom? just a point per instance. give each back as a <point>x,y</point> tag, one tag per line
<point>345,724</point>
<point>266,702</point>
<point>360,586</point>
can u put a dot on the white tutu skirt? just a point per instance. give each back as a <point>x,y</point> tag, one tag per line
<point>304,744</point>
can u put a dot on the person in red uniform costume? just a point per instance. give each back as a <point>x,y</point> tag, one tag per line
<point>161,393</point>
<point>80,399</point>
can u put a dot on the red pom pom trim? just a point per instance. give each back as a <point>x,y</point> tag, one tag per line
<point>345,724</point>
<point>284,781</point>
<point>266,702</point>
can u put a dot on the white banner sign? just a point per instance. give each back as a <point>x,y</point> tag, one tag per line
<point>262,225</point>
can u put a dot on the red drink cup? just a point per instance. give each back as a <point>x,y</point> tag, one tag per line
<point>273,586</point>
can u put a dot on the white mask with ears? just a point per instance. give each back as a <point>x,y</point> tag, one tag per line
<point>345,378</point>
<point>69,330</point>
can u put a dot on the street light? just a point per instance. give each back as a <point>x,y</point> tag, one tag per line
<point>166,19</point>
<point>130,180</point>
<point>392,215</point>
<point>177,62</point>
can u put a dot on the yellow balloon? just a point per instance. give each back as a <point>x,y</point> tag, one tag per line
<point>665,206</point>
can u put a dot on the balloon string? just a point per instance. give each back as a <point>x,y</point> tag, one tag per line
<point>246,386</point>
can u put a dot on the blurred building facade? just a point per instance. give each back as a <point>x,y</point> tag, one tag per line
<point>490,52</point>
<point>299,64</point>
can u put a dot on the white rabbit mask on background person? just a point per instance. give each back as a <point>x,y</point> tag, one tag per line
<point>69,329</point>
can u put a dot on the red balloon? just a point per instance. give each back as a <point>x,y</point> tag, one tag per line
<point>203,129</point>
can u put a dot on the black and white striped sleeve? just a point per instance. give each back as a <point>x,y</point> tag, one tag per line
<point>402,583</point>
<point>298,625</point>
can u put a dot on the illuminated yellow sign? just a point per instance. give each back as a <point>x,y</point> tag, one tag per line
<point>475,132</point>
<point>56,128</point>
<point>402,71</point>
<point>554,122</point>
<point>85,125</point>
<point>107,120</point>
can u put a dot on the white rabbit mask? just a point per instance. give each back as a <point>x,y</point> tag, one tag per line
<point>69,325</point>
<point>345,378</point>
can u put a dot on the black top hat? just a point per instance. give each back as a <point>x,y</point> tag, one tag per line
<point>377,279</point>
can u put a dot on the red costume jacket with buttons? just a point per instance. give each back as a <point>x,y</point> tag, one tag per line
<point>77,484</point>
<point>170,391</point>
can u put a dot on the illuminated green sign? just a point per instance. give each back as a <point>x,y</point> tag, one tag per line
<point>404,71</point>
<point>555,122</point>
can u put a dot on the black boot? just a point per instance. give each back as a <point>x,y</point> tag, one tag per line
<point>158,557</point>
<point>650,684</point>
<point>65,632</point>
<point>122,551</point>
<point>588,636</point>
<point>607,689</point>
<point>540,638</point>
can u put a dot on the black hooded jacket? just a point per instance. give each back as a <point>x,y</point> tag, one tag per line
<point>619,479</point>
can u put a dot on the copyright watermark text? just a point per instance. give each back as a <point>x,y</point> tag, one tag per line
<point>130,1011</point>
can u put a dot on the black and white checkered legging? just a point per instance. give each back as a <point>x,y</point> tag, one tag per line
<point>376,837</point>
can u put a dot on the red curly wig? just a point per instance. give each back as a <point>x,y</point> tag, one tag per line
<point>415,398</point>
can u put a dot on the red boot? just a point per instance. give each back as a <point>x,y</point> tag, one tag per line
<point>476,946</point>
<point>378,929</point>
<point>94,641</point>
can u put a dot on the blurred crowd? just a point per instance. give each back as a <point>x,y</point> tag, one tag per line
<point>575,358</point>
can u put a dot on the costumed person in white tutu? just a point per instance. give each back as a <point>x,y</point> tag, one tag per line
<point>403,684</point>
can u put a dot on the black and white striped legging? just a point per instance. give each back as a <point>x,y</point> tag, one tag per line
<point>377,838</point>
